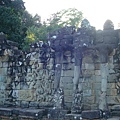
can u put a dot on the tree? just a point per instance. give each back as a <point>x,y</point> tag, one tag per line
<point>69,17</point>
<point>16,5</point>
<point>39,32</point>
<point>34,29</point>
<point>11,20</point>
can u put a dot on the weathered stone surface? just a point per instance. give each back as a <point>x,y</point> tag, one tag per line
<point>27,95</point>
<point>68,66</point>
<point>87,59</point>
<point>34,104</point>
<point>73,117</point>
<point>4,64</point>
<point>29,77</point>
<point>111,59</point>
<point>87,92</point>
<point>97,66</point>
<point>4,58</point>
<point>112,78</point>
<point>68,86</point>
<point>88,73</point>
<point>0,64</point>
<point>2,95</point>
<point>89,66</point>
<point>112,92</point>
<point>57,114</point>
<point>97,78</point>
<point>68,98</point>
<point>97,72</point>
<point>3,71</point>
<point>93,114</point>
<point>111,85</point>
<point>68,73</point>
<point>2,86</point>
<point>68,92</point>
<point>89,100</point>
<point>67,79</point>
<point>5,111</point>
<point>3,78</point>
<point>112,100</point>
<point>24,104</point>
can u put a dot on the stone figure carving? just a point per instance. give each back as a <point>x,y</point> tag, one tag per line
<point>60,41</point>
<point>105,45</point>
<point>59,99</point>
<point>83,39</point>
<point>44,52</point>
<point>108,25</point>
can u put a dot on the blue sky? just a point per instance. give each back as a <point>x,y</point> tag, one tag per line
<point>96,11</point>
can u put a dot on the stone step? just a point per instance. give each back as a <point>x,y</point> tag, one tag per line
<point>28,113</point>
<point>114,118</point>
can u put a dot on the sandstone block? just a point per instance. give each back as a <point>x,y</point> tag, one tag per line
<point>67,73</point>
<point>113,100</point>
<point>68,66</point>
<point>68,92</point>
<point>2,78</point>
<point>112,78</point>
<point>98,78</point>
<point>3,71</point>
<point>88,73</point>
<point>89,100</point>
<point>66,80</point>
<point>97,72</point>
<point>97,66</point>
<point>112,92</point>
<point>87,59</point>
<point>111,85</point>
<point>27,95</point>
<point>89,66</point>
<point>97,86</point>
<point>68,98</point>
<point>4,58</point>
<point>87,92</point>
<point>110,59</point>
<point>0,64</point>
<point>111,71</point>
<point>2,94</point>
<point>2,86</point>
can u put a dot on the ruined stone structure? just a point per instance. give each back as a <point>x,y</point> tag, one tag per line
<point>28,79</point>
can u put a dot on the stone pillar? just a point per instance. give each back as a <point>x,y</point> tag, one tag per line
<point>83,40</point>
<point>77,104</point>
<point>104,76</point>
<point>58,92</point>
<point>58,68</point>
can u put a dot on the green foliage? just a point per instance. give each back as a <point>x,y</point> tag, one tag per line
<point>11,20</point>
<point>16,5</point>
<point>35,30</point>
<point>23,28</point>
<point>70,17</point>
<point>10,23</point>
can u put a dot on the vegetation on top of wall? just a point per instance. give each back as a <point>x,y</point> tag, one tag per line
<point>69,17</point>
<point>23,28</point>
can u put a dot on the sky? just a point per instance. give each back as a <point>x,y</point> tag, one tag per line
<point>96,11</point>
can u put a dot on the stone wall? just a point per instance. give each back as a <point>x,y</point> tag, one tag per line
<point>27,81</point>
<point>28,84</point>
<point>91,82</point>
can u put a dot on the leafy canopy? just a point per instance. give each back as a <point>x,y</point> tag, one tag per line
<point>11,19</point>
